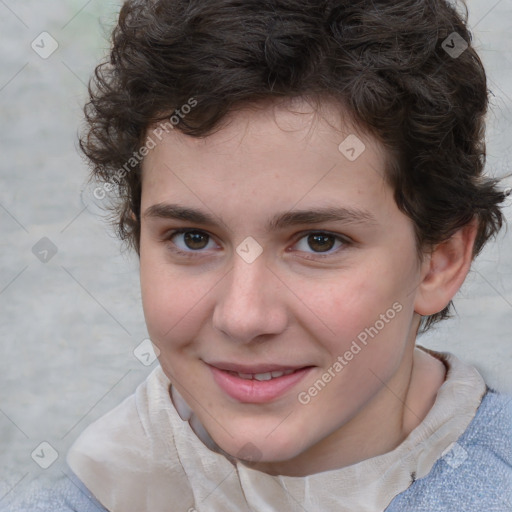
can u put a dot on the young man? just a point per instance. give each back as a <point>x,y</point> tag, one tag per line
<point>302,181</point>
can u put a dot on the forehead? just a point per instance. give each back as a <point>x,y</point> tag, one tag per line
<point>292,120</point>
<point>269,158</point>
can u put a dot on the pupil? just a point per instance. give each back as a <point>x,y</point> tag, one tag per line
<point>192,238</point>
<point>325,242</point>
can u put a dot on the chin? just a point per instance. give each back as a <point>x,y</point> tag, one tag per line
<point>259,447</point>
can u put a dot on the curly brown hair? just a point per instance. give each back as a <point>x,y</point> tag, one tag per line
<point>386,62</point>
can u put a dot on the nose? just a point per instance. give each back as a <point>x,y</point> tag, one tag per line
<point>251,303</point>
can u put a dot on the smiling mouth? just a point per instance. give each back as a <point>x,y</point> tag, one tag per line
<point>260,371</point>
<point>257,383</point>
<point>261,376</point>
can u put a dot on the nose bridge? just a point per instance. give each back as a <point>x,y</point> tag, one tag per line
<point>248,303</point>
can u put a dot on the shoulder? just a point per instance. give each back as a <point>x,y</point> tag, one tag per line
<point>476,472</point>
<point>67,495</point>
<point>492,425</point>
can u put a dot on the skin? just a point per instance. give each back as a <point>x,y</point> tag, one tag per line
<point>291,306</point>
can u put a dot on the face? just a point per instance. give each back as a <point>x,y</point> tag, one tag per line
<point>278,278</point>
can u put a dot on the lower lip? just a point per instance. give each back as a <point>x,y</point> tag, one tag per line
<point>256,391</point>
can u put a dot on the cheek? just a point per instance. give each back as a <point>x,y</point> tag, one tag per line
<point>164,298</point>
<point>372,306</point>
<point>371,325</point>
<point>358,298</point>
<point>175,302</point>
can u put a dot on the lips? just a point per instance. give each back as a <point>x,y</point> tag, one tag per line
<point>258,372</point>
<point>256,383</point>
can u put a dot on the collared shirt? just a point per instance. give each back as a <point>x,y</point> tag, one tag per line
<point>142,456</point>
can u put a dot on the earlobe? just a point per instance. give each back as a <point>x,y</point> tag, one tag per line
<point>445,270</point>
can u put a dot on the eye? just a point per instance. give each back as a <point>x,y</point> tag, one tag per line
<point>189,240</point>
<point>321,243</point>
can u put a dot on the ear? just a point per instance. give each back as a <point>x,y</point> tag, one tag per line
<point>444,270</point>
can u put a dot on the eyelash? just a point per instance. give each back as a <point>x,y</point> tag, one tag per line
<point>190,254</point>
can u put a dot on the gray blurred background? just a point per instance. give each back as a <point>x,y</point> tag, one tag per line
<point>70,312</point>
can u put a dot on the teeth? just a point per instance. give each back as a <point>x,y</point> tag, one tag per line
<point>263,376</point>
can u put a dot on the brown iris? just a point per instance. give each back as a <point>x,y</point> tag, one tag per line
<point>322,241</point>
<point>196,239</point>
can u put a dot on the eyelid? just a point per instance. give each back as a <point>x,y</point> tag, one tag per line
<point>298,236</point>
<point>343,238</point>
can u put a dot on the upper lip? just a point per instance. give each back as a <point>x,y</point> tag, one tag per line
<point>254,368</point>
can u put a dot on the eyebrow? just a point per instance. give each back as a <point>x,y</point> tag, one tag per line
<point>278,221</point>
